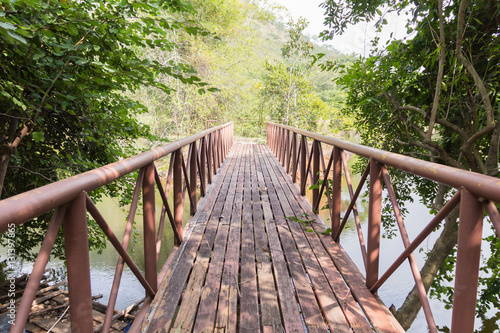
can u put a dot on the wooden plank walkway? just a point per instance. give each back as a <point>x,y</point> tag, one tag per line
<point>244,266</point>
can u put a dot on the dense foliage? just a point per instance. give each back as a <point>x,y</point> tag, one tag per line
<point>433,96</point>
<point>258,80</point>
<point>67,69</point>
<point>81,82</point>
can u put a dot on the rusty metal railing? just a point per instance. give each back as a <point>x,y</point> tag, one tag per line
<point>71,203</point>
<point>476,193</point>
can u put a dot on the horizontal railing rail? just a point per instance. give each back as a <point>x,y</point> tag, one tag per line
<point>70,202</point>
<point>475,193</point>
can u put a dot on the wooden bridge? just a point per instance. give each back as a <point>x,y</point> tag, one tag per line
<point>254,257</point>
<point>247,266</point>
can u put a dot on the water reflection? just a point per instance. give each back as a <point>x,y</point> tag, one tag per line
<point>103,265</point>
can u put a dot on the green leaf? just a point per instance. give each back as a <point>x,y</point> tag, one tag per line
<point>7,26</point>
<point>38,136</point>
<point>81,62</point>
<point>16,36</point>
<point>73,30</point>
<point>327,231</point>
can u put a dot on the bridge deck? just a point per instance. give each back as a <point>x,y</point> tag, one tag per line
<point>244,266</point>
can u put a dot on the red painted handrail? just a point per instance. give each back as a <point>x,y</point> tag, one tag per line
<point>71,203</point>
<point>476,193</point>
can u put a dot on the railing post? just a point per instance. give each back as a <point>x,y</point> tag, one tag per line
<point>223,144</point>
<point>178,202</point>
<point>149,222</point>
<point>209,158</point>
<point>294,157</point>
<point>222,132</point>
<point>220,146</point>
<point>214,152</point>
<point>336,190</point>
<point>315,169</point>
<point>277,139</point>
<point>303,166</point>
<point>289,150</point>
<point>278,144</point>
<point>273,139</point>
<point>203,168</point>
<point>284,151</point>
<point>470,229</point>
<point>193,176</point>
<point>267,135</point>
<point>78,264</point>
<point>374,220</point>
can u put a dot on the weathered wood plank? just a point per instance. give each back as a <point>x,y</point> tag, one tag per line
<point>354,279</point>
<point>205,318</point>
<point>308,304</point>
<point>46,324</point>
<point>335,298</point>
<point>287,298</point>
<point>357,284</point>
<point>249,307</point>
<point>227,309</point>
<point>187,311</point>
<point>267,292</point>
<point>163,307</point>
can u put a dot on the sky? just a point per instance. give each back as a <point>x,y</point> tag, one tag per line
<point>356,39</point>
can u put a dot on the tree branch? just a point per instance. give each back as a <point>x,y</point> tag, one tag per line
<point>469,150</point>
<point>422,112</point>
<point>438,202</point>
<point>11,116</point>
<point>443,155</point>
<point>31,171</point>
<point>492,158</point>
<point>442,54</point>
<point>427,144</point>
<point>476,136</point>
<point>440,121</point>
<point>468,65</point>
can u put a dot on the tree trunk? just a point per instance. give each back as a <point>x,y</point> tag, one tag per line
<point>10,142</point>
<point>407,313</point>
<point>4,163</point>
<point>6,150</point>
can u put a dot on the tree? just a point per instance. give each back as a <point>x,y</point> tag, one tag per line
<point>435,97</point>
<point>295,51</point>
<point>229,58</point>
<point>67,69</point>
<point>296,104</point>
<point>286,91</point>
